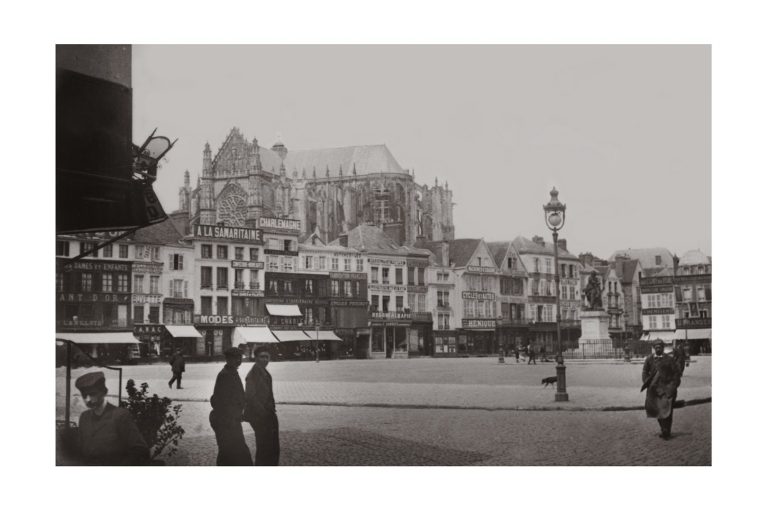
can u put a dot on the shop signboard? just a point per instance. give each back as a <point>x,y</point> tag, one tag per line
<point>481,270</point>
<point>478,323</point>
<point>228,233</point>
<point>241,292</point>
<point>274,224</point>
<point>247,264</point>
<point>478,295</point>
<point>387,288</point>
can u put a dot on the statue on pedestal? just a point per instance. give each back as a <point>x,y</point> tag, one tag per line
<point>594,292</point>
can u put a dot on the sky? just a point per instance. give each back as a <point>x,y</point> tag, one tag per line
<point>623,132</point>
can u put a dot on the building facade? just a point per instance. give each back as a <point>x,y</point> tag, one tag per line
<point>658,306</point>
<point>693,302</point>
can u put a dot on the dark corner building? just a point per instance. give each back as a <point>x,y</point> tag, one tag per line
<point>693,301</point>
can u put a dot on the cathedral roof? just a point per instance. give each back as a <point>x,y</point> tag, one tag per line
<point>365,159</point>
<point>374,240</point>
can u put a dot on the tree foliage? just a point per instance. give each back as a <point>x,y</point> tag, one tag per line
<point>156,418</point>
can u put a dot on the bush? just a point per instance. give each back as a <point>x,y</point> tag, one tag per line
<point>156,419</point>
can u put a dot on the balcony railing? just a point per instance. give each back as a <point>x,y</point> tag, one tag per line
<point>239,285</point>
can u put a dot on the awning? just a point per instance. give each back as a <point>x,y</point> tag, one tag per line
<point>283,310</point>
<point>322,335</point>
<point>183,331</point>
<point>693,334</point>
<point>98,338</point>
<point>291,335</point>
<point>253,335</point>
<point>665,336</point>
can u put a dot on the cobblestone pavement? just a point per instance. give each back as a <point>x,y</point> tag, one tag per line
<point>350,436</point>
<point>461,383</point>
<point>444,412</point>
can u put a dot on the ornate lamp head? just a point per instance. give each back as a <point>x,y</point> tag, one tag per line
<point>554,212</point>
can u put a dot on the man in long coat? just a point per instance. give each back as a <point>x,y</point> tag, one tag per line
<point>226,417</point>
<point>108,436</point>
<point>260,411</point>
<point>177,368</point>
<point>661,377</point>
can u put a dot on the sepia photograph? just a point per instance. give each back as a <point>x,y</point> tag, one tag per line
<point>383,255</point>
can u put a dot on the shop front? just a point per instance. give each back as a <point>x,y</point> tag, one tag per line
<point>389,334</point>
<point>420,334</point>
<point>217,333</point>
<point>253,336</point>
<point>182,337</point>
<point>511,334</point>
<point>350,318</point>
<point>152,337</point>
<point>695,334</point>
<point>108,346</point>
<point>478,336</point>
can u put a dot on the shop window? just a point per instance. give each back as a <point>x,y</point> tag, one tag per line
<point>138,314</point>
<point>138,283</point>
<point>222,306</point>
<point>206,277</point>
<point>206,305</point>
<point>222,278</point>
<point>377,339</point>
<point>62,248</point>
<point>272,287</point>
<point>309,287</point>
<point>288,287</point>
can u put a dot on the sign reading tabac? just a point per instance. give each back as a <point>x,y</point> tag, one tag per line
<point>236,234</point>
<point>282,224</point>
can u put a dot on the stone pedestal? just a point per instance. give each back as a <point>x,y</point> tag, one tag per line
<point>594,340</point>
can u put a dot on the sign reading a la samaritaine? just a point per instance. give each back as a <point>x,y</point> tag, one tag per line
<point>274,223</point>
<point>236,234</point>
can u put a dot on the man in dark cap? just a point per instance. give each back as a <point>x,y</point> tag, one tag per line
<point>661,377</point>
<point>108,435</point>
<point>228,401</point>
<point>260,410</point>
<point>177,368</point>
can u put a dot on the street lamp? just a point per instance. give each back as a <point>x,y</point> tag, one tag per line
<point>554,217</point>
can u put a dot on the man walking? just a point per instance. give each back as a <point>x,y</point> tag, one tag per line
<point>226,417</point>
<point>108,436</point>
<point>260,411</point>
<point>177,368</point>
<point>661,377</point>
<point>531,354</point>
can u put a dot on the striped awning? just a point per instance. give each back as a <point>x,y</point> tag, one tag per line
<point>291,335</point>
<point>322,335</point>
<point>183,331</point>
<point>254,335</point>
<point>283,310</point>
<point>98,338</point>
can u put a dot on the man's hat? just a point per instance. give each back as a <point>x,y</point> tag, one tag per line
<point>92,382</point>
<point>233,352</point>
<point>658,343</point>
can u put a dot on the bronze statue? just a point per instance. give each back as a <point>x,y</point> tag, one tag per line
<point>594,292</point>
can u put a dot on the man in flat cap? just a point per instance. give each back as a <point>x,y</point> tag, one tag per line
<point>226,417</point>
<point>108,435</point>
<point>260,410</point>
<point>661,377</point>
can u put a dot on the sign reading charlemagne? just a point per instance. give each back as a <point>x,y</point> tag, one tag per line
<point>228,233</point>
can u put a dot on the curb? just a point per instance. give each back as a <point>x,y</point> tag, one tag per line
<point>678,404</point>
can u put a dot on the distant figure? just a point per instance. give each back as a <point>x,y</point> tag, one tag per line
<point>260,411</point>
<point>661,377</point>
<point>543,352</point>
<point>177,368</point>
<point>226,417</point>
<point>531,354</point>
<point>108,435</point>
<point>517,353</point>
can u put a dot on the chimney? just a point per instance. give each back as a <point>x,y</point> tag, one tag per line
<point>344,239</point>
<point>445,250</point>
<point>675,263</point>
<point>420,240</point>
<point>561,244</point>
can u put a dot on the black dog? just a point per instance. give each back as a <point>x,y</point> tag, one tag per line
<point>549,380</point>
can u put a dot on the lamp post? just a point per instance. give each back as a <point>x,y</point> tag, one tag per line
<point>554,217</point>
<point>317,342</point>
